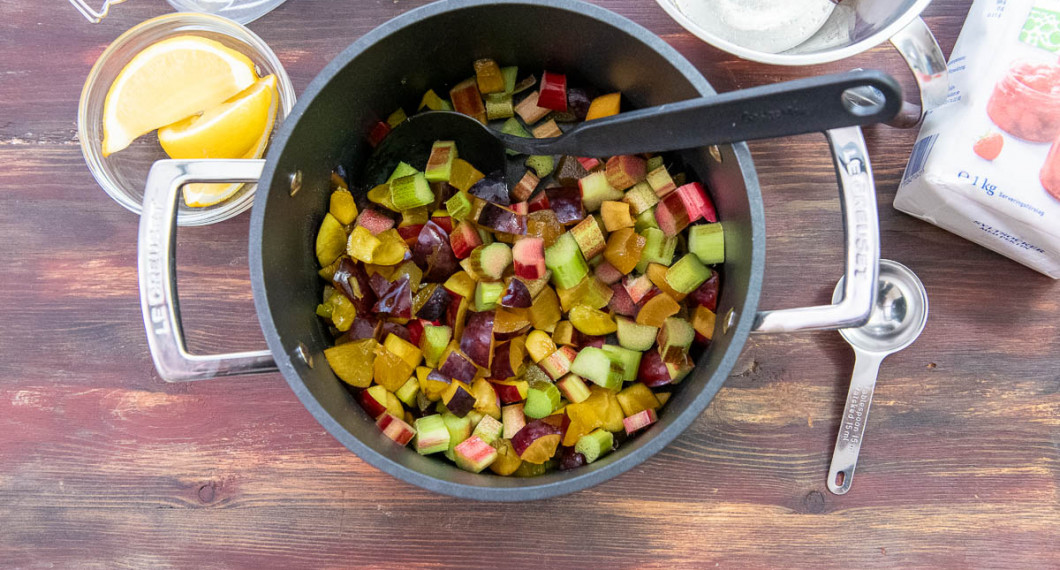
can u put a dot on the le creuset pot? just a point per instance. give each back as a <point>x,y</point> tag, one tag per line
<point>393,65</point>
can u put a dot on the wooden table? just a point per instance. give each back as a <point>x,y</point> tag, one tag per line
<point>103,464</point>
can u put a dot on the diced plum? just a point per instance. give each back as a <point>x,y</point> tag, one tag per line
<point>533,431</point>
<point>401,331</point>
<point>652,371</point>
<point>351,279</point>
<point>517,295</point>
<point>539,202</point>
<point>397,301</point>
<point>458,366</point>
<point>502,219</point>
<point>553,92</point>
<point>433,253</point>
<point>578,102</point>
<point>410,234</point>
<point>437,305</point>
<point>477,340</point>
<point>621,303</point>
<point>492,188</point>
<point>570,459</point>
<point>707,293</point>
<point>567,204</point>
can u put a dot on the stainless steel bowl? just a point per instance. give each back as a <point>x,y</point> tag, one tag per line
<point>853,27</point>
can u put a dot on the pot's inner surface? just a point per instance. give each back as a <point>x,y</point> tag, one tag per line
<point>434,48</point>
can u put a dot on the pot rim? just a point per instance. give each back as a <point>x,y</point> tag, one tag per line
<point>526,489</point>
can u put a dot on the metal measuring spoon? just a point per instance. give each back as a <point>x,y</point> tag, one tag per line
<point>897,319</point>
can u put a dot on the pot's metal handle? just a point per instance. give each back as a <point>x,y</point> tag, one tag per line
<point>861,226</point>
<point>157,261</point>
<point>922,53</point>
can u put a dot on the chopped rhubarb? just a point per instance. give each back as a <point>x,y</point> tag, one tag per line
<point>564,259</point>
<point>595,189</point>
<point>529,110</point>
<point>639,421</point>
<point>488,262</point>
<point>502,220</point>
<point>525,187</point>
<point>473,454</point>
<point>707,242</point>
<point>589,236</point>
<point>528,254</point>
<point>660,182</point>
<point>374,222</point>
<point>553,92</point>
<point>440,163</point>
<point>624,171</point>
<point>464,239</point>
<point>395,428</point>
<point>467,100</point>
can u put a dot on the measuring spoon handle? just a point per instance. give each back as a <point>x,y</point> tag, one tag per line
<point>855,416</point>
<point>814,104</point>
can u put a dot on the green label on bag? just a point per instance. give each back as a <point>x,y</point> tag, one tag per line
<point>1042,29</point>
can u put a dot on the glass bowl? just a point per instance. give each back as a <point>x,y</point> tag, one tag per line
<point>123,174</point>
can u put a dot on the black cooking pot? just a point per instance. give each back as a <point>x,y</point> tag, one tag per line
<point>393,65</point>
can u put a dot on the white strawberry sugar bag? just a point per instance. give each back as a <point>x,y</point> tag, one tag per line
<point>985,165</point>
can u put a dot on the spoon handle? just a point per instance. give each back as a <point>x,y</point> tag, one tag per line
<point>814,104</point>
<point>855,415</point>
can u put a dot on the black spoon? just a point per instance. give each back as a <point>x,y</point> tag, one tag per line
<point>815,104</point>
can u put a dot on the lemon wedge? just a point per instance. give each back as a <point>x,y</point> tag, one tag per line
<point>238,128</point>
<point>169,81</point>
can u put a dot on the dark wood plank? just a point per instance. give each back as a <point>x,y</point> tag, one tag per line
<point>102,464</point>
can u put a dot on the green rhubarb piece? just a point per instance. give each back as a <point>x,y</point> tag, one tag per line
<point>595,365</point>
<point>407,392</point>
<point>675,338</point>
<point>707,242</point>
<point>640,197</point>
<point>542,165</point>
<point>487,295</point>
<point>564,258</point>
<point>596,190</point>
<point>435,339</point>
<point>402,170</point>
<point>653,163</point>
<point>459,206</point>
<point>474,455</point>
<point>411,191</point>
<point>541,400</point>
<point>499,106</point>
<point>627,361</point>
<point>432,435</point>
<point>634,336</point>
<point>595,444</point>
<point>513,127</point>
<point>488,429</point>
<point>686,274</point>
<point>459,430</point>
<point>645,220</point>
<point>534,373</point>
<point>440,162</point>
<point>511,75</point>
<point>657,249</point>
<point>573,388</point>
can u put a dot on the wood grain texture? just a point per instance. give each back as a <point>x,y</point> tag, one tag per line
<point>104,466</point>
